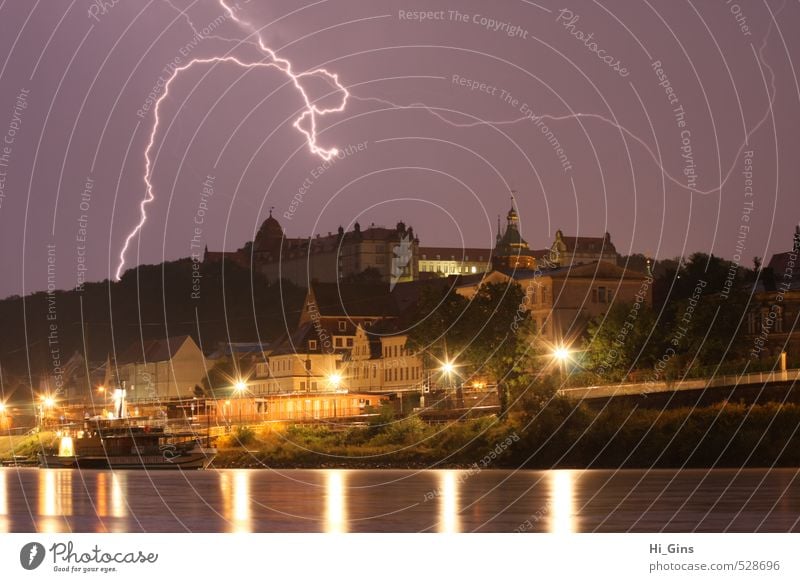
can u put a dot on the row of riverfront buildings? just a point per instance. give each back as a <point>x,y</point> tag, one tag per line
<point>350,347</point>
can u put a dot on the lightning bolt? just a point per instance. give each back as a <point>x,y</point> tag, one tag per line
<point>32,555</point>
<point>596,116</point>
<point>306,123</point>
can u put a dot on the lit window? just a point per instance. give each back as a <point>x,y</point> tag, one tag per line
<point>474,269</point>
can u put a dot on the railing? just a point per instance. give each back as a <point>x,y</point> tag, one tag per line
<point>622,389</point>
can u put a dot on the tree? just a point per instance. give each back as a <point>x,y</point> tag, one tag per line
<point>485,336</point>
<point>624,339</point>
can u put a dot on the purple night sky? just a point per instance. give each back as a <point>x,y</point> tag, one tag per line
<point>74,107</point>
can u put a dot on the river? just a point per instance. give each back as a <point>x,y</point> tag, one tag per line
<point>330,500</point>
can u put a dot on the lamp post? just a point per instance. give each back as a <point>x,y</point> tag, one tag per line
<point>562,355</point>
<point>240,388</point>
<point>335,380</point>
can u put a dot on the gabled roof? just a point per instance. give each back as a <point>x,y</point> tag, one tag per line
<point>160,350</point>
<point>352,300</point>
<point>783,272</point>
<point>586,244</point>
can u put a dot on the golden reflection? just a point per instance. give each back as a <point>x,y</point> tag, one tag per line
<point>55,499</point>
<point>118,485</point>
<point>335,501</point>
<point>4,521</point>
<point>235,489</point>
<point>562,502</point>
<point>3,494</point>
<point>449,519</point>
<point>100,499</point>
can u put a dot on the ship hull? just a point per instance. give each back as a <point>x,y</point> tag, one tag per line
<point>199,459</point>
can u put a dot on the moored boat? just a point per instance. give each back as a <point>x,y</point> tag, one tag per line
<point>124,443</point>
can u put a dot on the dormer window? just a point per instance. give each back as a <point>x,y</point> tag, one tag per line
<point>342,325</point>
<point>312,344</point>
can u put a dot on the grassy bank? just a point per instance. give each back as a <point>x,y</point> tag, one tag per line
<point>562,434</point>
<point>23,445</point>
<point>559,434</point>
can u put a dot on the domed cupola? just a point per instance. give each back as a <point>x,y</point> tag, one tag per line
<point>269,236</point>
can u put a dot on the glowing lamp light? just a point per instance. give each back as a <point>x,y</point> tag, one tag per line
<point>448,367</point>
<point>335,380</point>
<point>240,387</point>
<point>561,354</point>
<point>2,408</point>
<point>49,402</point>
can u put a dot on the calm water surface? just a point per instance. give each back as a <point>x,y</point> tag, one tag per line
<point>235,500</point>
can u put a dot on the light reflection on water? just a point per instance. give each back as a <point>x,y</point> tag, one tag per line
<point>236,501</point>
<point>448,501</point>
<point>336,502</point>
<point>562,502</point>
<point>4,522</point>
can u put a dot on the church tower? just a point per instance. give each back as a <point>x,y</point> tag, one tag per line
<point>512,251</point>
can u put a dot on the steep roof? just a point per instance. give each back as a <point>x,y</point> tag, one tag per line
<point>783,271</point>
<point>586,244</point>
<point>353,299</point>
<point>160,350</point>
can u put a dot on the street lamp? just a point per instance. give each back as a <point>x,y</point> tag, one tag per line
<point>335,380</point>
<point>562,355</point>
<point>240,388</point>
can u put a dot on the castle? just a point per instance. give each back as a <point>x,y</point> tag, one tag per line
<point>393,255</point>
